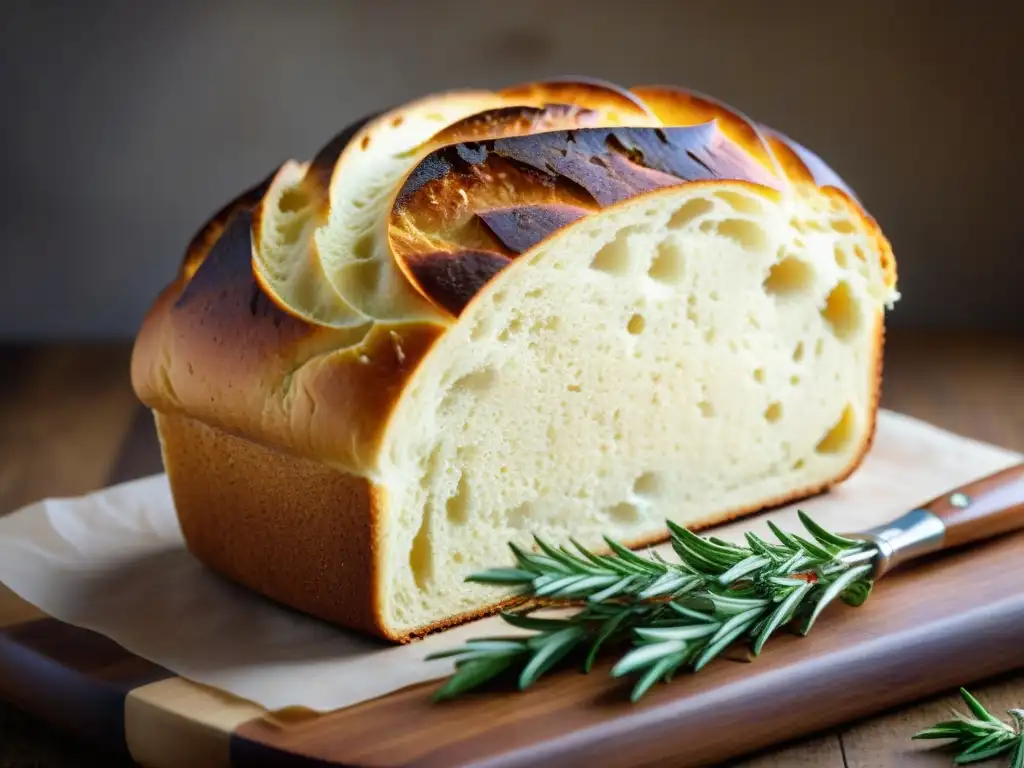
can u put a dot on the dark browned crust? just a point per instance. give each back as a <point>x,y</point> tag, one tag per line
<point>520,227</point>
<point>203,240</point>
<point>576,170</point>
<point>453,278</point>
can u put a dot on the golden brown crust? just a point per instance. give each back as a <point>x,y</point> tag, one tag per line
<point>218,350</point>
<point>234,499</point>
<point>615,103</point>
<point>680,107</point>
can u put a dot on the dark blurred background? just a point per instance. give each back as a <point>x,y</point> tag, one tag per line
<point>126,123</point>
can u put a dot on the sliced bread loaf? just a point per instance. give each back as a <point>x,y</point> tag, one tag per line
<point>567,309</point>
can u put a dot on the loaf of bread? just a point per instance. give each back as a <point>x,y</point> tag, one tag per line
<point>564,309</point>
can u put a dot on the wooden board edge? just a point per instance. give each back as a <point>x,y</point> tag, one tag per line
<point>177,722</point>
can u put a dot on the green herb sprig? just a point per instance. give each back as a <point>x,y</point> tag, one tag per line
<point>982,736</point>
<point>669,616</point>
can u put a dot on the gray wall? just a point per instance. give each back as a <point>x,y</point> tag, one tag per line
<point>125,123</point>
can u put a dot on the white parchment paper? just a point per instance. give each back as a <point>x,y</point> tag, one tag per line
<point>114,562</point>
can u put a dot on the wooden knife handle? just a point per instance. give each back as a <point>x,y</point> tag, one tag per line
<point>986,507</point>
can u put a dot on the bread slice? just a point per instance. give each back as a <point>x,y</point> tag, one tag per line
<point>649,317</point>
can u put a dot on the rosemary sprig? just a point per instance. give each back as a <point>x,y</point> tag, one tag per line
<point>668,615</point>
<point>982,736</point>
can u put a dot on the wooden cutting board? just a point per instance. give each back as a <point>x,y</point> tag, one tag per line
<point>945,622</point>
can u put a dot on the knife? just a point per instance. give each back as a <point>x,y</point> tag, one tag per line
<point>981,509</point>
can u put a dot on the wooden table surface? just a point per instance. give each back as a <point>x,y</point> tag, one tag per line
<point>70,424</point>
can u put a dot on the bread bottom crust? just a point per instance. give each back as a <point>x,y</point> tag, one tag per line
<point>308,537</point>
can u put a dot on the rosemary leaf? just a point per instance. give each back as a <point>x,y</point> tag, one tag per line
<point>825,536</point>
<point>834,589</point>
<point>662,616</point>
<point>978,710</point>
<point>742,568</point>
<point>781,615</point>
<point>658,671</point>
<point>982,736</point>
<point>549,653</point>
<point>472,674</point>
<point>608,629</point>
<point>643,655</point>
<point>725,636</point>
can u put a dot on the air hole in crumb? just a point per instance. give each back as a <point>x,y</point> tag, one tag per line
<point>773,413</point>
<point>667,266</point>
<point>789,276</point>
<point>573,387</point>
<point>706,409</point>
<point>534,293</point>
<point>859,253</point>
<point>647,485</point>
<point>365,142</point>
<point>839,436</point>
<point>457,506</point>
<point>798,352</point>
<point>624,512</point>
<point>794,380</point>
<point>363,248</point>
<point>292,199</point>
<point>521,516</point>
<point>613,257</point>
<point>477,381</point>
<point>709,337</point>
<point>842,311</point>
<point>840,257</point>
<point>845,226</point>
<point>739,202</point>
<point>421,558</point>
<point>759,375</point>
<point>798,464</point>
<point>745,232</point>
<point>690,211</point>
<point>636,324</point>
<point>819,347</point>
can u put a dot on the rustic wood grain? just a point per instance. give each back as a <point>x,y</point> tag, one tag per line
<point>69,424</point>
<point>64,410</point>
<point>943,622</point>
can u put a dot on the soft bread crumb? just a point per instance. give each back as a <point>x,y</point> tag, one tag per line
<point>740,372</point>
